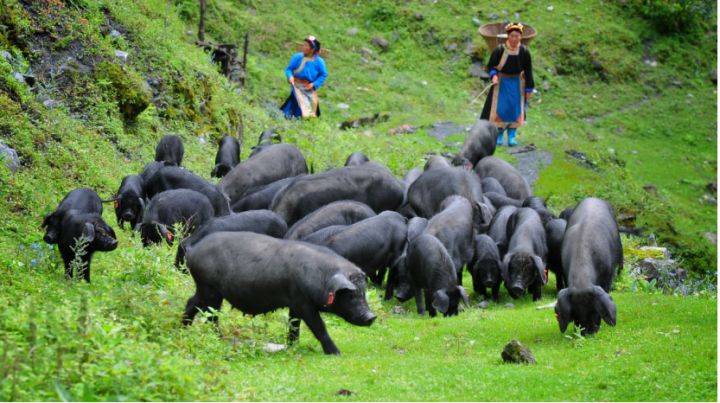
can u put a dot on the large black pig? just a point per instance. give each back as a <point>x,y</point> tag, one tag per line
<point>498,228</point>
<point>259,198</point>
<point>524,263</point>
<point>453,227</point>
<point>485,267</point>
<point>591,255</point>
<point>432,273</point>
<point>373,244</point>
<point>184,206</point>
<point>83,200</point>
<point>479,143</point>
<point>344,212</point>
<point>258,274</point>
<point>94,230</point>
<point>171,177</point>
<point>271,163</point>
<point>227,157</point>
<point>257,221</point>
<point>130,201</point>
<point>369,184</point>
<point>516,187</point>
<point>170,150</point>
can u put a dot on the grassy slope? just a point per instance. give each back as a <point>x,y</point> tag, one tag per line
<point>124,342</point>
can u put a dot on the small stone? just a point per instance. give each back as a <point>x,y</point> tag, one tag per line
<point>634,152</point>
<point>366,52</point>
<point>368,133</point>
<point>7,56</point>
<point>476,21</point>
<point>344,392</point>
<point>551,8</point>
<point>202,140</point>
<point>546,85</point>
<point>611,150</point>
<point>19,77</point>
<point>493,16</point>
<point>398,310</point>
<point>115,34</point>
<point>352,31</point>
<point>424,82</point>
<point>343,106</point>
<point>419,16</point>
<point>509,305</point>
<point>483,305</point>
<point>517,353</point>
<point>381,43</point>
<point>710,236</point>
<point>12,161</point>
<point>677,83</point>
<point>451,47</point>
<point>51,103</point>
<point>619,130</point>
<point>121,55</point>
<point>690,95</point>
<point>274,348</point>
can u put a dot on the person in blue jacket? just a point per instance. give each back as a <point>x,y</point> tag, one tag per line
<point>306,72</point>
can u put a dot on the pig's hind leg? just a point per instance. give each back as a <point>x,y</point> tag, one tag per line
<point>312,319</point>
<point>204,299</point>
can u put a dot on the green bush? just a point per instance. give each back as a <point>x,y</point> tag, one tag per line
<point>675,16</point>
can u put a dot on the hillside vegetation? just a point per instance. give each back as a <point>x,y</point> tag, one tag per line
<point>614,84</point>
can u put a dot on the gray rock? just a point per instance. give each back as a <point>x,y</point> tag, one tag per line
<point>666,273</point>
<point>509,305</point>
<point>546,85</point>
<point>19,77</point>
<point>366,52</point>
<point>381,43</point>
<point>274,348</point>
<point>493,16</point>
<point>451,47</point>
<point>676,82</point>
<point>517,353</point>
<point>51,103</point>
<point>121,55</point>
<point>115,34</point>
<point>658,250</point>
<point>7,56</point>
<point>710,236</point>
<point>398,310</point>
<point>483,305</point>
<point>419,16</point>
<point>478,70</point>
<point>476,21</point>
<point>352,31</point>
<point>343,106</point>
<point>12,161</point>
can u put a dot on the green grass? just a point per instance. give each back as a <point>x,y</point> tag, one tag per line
<point>120,338</point>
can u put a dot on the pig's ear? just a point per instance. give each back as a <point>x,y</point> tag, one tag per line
<point>563,309</point>
<point>441,301</point>
<point>504,267</point>
<point>339,282</point>
<point>89,232</point>
<point>464,296</point>
<point>166,234</point>
<point>47,218</point>
<point>540,268</point>
<point>605,305</point>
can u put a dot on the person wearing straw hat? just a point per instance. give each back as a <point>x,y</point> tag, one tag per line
<point>510,69</point>
<point>306,72</point>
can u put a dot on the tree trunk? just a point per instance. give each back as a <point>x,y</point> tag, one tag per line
<point>201,27</point>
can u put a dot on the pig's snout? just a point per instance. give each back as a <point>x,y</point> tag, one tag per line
<point>368,319</point>
<point>128,216</point>
<point>517,290</point>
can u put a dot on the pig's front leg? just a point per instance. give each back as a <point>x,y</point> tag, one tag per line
<point>419,301</point>
<point>294,322</point>
<point>312,319</point>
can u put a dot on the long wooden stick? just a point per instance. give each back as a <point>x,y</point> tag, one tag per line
<point>481,93</point>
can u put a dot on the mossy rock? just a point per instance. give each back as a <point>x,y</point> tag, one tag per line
<point>131,91</point>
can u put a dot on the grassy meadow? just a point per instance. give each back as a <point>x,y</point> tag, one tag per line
<point>120,338</point>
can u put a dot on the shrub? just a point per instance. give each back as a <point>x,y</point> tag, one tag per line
<point>675,16</point>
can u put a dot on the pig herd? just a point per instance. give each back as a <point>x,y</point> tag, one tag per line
<point>273,235</point>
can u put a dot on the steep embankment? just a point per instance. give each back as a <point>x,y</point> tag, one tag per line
<point>112,77</point>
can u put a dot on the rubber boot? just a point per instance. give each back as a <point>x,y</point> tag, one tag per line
<point>511,138</point>
<point>501,132</point>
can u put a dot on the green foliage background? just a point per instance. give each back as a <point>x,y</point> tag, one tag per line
<point>119,338</point>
